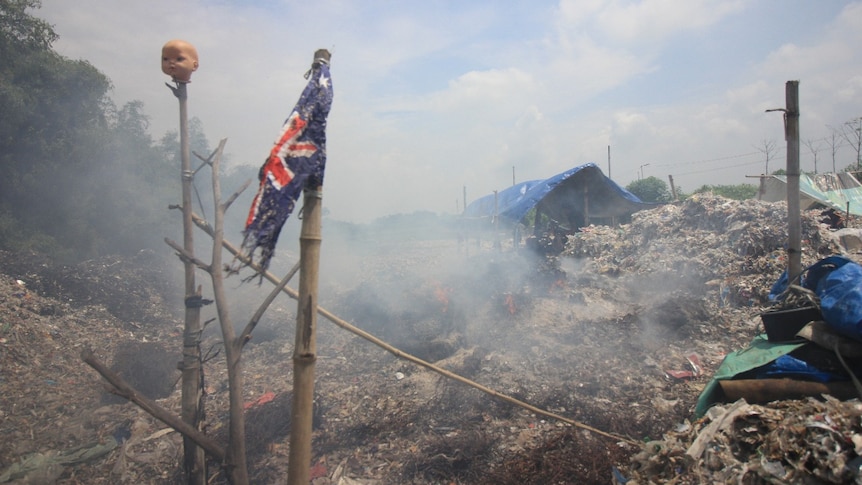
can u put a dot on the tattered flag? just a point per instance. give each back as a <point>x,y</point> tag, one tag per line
<point>296,161</point>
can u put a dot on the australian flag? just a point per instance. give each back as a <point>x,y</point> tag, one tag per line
<point>296,161</point>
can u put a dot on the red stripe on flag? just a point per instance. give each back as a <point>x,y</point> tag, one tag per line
<point>293,127</point>
<point>281,175</point>
<point>253,211</point>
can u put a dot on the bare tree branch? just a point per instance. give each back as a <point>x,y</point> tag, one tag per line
<point>123,389</point>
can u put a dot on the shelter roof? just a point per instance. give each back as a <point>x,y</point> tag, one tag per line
<point>566,198</point>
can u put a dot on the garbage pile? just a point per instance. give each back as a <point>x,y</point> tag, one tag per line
<point>735,247</point>
<point>790,441</point>
<point>785,408</point>
<point>624,338</point>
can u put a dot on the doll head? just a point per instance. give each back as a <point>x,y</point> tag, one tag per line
<point>179,60</point>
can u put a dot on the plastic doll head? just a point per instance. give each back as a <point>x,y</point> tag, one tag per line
<point>179,60</point>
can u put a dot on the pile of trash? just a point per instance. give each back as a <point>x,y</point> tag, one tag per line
<point>785,408</point>
<point>623,333</point>
<point>789,441</point>
<point>736,247</point>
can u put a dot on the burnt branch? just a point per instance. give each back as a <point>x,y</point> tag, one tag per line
<point>122,388</point>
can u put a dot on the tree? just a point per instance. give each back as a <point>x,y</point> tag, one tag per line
<point>650,189</point>
<point>835,142</point>
<point>80,176</point>
<point>767,147</point>
<point>851,132</point>
<point>813,147</point>
<point>18,29</point>
<point>51,129</point>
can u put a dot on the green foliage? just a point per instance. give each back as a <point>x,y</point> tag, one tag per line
<point>650,189</point>
<point>80,176</point>
<point>736,192</point>
<point>20,30</point>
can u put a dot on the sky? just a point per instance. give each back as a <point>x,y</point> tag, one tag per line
<point>441,102</point>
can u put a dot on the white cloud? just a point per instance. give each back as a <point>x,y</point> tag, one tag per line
<point>431,96</point>
<point>660,20</point>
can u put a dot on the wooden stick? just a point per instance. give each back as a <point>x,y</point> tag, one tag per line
<point>245,336</point>
<point>235,462</point>
<point>125,390</point>
<point>194,461</point>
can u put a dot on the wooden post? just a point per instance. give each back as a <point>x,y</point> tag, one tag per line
<point>672,187</point>
<point>305,347</point>
<point>791,132</point>
<point>761,187</point>
<point>194,462</point>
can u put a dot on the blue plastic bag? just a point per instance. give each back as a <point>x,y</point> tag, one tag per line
<point>837,282</point>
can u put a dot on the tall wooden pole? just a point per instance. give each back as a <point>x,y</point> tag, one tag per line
<point>305,347</point>
<point>192,374</point>
<point>791,131</point>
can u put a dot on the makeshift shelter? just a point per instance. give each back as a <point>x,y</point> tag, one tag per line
<point>572,199</point>
<point>839,191</point>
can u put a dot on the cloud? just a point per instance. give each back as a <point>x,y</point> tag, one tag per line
<point>433,97</point>
<point>658,21</point>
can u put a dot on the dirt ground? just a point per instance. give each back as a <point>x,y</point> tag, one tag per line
<point>620,333</point>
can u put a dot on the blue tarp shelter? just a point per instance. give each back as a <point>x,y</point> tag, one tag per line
<point>570,198</point>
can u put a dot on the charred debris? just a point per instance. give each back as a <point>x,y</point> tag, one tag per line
<point>621,330</point>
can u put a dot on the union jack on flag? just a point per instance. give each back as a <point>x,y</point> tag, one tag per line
<point>297,161</point>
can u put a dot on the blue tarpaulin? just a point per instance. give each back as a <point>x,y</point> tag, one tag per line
<point>569,198</point>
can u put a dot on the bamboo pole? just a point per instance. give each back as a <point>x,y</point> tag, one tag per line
<point>194,461</point>
<point>305,347</point>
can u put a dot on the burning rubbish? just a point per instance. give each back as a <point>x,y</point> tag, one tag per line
<point>639,300</point>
